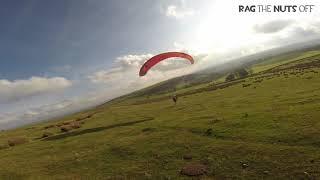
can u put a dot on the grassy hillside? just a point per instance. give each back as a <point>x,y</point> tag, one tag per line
<point>265,126</point>
<point>255,63</point>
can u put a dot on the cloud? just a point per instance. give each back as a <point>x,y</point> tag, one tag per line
<point>272,26</point>
<point>178,13</point>
<point>304,32</point>
<point>11,91</point>
<point>30,115</point>
<point>106,76</point>
<point>56,109</point>
<point>132,61</point>
<point>124,65</point>
<point>296,34</point>
<point>50,111</point>
<point>126,69</point>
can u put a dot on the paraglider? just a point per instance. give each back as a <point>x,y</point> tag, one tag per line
<point>160,57</point>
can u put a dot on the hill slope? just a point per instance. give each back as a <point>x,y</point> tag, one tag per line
<point>257,62</point>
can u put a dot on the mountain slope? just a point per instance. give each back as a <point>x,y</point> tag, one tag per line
<point>252,62</point>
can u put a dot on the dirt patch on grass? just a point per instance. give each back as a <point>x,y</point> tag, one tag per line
<point>187,157</point>
<point>17,141</point>
<point>75,125</point>
<point>70,126</point>
<point>194,169</point>
<point>65,128</point>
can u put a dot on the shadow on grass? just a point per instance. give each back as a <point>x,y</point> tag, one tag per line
<point>92,130</point>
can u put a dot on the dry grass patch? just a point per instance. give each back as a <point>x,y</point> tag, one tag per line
<point>17,141</point>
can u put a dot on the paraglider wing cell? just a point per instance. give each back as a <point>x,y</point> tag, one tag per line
<point>160,57</point>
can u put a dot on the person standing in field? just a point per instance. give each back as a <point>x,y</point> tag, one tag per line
<point>175,99</point>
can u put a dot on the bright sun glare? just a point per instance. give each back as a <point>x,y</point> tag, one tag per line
<point>223,28</point>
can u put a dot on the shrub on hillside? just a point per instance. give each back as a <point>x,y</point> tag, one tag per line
<point>65,128</point>
<point>46,134</point>
<point>49,126</point>
<point>230,77</point>
<point>242,73</point>
<point>75,125</point>
<point>69,127</point>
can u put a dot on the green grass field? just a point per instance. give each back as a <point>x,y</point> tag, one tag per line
<point>269,121</point>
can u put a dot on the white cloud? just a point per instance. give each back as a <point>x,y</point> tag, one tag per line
<point>124,65</point>
<point>49,111</point>
<point>132,61</point>
<point>106,76</point>
<point>272,26</point>
<point>18,118</point>
<point>124,76</point>
<point>11,91</point>
<point>31,113</point>
<point>178,13</point>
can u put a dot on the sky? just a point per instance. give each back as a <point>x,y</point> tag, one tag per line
<point>66,55</point>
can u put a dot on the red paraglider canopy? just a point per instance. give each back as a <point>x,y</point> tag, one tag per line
<point>160,57</point>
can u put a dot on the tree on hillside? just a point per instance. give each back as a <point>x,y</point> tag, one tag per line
<point>242,72</point>
<point>230,77</point>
